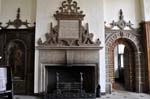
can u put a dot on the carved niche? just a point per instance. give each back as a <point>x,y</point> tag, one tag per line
<point>69,30</point>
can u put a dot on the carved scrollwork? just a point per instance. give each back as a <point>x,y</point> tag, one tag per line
<point>121,24</point>
<point>17,23</point>
<point>69,15</point>
<point>69,7</point>
<point>51,38</point>
<point>86,38</point>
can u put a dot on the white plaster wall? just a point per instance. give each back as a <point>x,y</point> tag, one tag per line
<point>9,10</point>
<point>94,16</point>
<point>146,9</point>
<point>131,10</point>
<point>0,6</point>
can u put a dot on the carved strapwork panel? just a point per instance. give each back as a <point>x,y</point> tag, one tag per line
<point>121,24</point>
<point>69,31</point>
<point>17,23</point>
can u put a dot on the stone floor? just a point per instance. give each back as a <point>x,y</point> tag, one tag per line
<point>126,95</point>
<point>114,95</point>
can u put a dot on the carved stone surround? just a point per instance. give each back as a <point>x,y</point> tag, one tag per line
<point>59,51</point>
<point>134,38</point>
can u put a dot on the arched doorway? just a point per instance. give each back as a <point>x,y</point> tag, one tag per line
<point>134,61</point>
<point>134,65</point>
<point>123,65</point>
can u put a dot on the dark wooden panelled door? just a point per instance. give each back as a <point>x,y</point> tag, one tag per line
<point>17,50</point>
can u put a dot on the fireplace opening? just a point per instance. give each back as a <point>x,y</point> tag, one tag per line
<point>70,81</point>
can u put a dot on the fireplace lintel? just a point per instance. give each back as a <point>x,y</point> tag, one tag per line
<point>43,47</point>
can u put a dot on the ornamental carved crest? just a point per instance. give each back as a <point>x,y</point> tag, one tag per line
<point>121,23</point>
<point>17,23</point>
<point>69,30</point>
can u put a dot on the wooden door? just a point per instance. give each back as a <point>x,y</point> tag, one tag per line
<point>19,55</point>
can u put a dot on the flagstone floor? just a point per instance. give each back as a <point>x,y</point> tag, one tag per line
<point>115,95</point>
<point>125,95</point>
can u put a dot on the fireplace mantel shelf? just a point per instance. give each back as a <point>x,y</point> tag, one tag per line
<point>68,47</point>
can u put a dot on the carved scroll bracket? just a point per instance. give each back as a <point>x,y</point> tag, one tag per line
<point>17,23</point>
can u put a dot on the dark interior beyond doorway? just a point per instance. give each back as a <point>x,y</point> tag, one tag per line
<point>119,70</point>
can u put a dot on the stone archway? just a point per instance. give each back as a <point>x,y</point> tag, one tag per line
<point>129,67</point>
<point>129,38</point>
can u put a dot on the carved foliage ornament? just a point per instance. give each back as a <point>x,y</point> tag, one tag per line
<point>121,24</point>
<point>17,23</point>
<point>70,12</point>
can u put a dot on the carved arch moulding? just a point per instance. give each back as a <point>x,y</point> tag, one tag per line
<point>131,34</point>
<point>69,30</point>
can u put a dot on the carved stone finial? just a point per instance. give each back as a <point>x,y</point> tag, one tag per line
<point>39,41</point>
<point>121,23</point>
<point>98,42</point>
<point>121,15</point>
<point>18,14</point>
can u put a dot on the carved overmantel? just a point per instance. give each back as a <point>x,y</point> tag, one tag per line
<point>69,31</point>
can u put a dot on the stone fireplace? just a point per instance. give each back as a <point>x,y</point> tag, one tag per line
<point>69,63</point>
<point>68,60</point>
